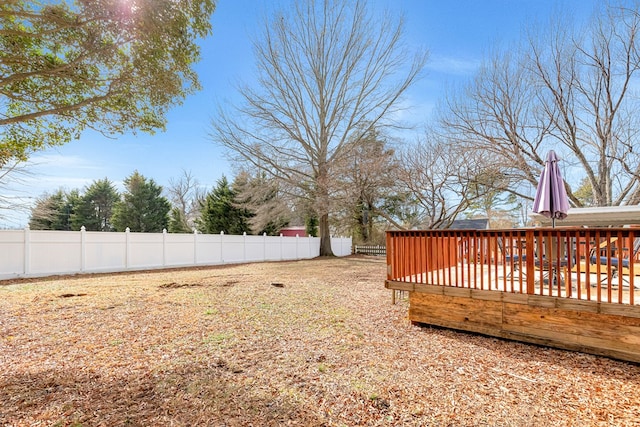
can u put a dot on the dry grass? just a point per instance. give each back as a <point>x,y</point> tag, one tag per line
<point>312,343</point>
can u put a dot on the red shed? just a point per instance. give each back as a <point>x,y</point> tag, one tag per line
<point>294,231</point>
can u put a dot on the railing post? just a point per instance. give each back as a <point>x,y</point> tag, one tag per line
<point>389,265</point>
<point>530,262</point>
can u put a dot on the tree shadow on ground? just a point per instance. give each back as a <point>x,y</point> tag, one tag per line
<point>204,394</point>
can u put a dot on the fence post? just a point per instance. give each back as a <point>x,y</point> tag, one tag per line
<point>310,248</point>
<point>27,250</point>
<point>221,246</point>
<point>244,246</point>
<point>195,246</point>
<point>297,246</point>
<point>83,248</point>
<point>281,243</point>
<point>127,248</point>
<point>164,247</point>
<point>264,246</point>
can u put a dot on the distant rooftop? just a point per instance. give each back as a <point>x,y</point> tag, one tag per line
<point>470,224</point>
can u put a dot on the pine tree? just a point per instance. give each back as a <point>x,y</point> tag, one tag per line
<point>178,222</point>
<point>220,212</point>
<point>142,207</point>
<point>96,206</point>
<point>51,212</point>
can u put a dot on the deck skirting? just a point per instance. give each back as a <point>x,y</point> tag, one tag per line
<point>599,328</point>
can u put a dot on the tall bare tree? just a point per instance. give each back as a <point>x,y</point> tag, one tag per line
<point>365,183</point>
<point>569,90</point>
<point>328,70</point>
<point>495,114</point>
<point>262,196</point>
<point>185,194</point>
<point>441,180</point>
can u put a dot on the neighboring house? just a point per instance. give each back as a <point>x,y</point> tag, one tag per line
<point>470,224</point>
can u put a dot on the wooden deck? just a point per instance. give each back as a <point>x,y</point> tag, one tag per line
<point>568,288</point>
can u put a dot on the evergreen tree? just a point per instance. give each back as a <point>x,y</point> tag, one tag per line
<point>311,225</point>
<point>178,222</point>
<point>142,207</point>
<point>96,207</point>
<point>220,212</point>
<point>51,212</point>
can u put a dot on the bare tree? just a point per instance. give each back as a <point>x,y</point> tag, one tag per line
<point>567,90</point>
<point>185,194</point>
<point>365,184</point>
<point>441,180</point>
<point>586,94</point>
<point>14,174</point>
<point>262,196</point>
<point>327,72</point>
<point>495,115</point>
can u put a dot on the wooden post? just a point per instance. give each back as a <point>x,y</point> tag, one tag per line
<point>530,262</point>
<point>389,264</point>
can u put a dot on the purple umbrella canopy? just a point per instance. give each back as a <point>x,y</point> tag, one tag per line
<point>551,196</point>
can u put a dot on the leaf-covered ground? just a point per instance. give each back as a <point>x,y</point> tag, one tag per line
<point>309,343</point>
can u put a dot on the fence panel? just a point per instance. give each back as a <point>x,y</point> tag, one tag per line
<point>145,250</point>
<point>232,248</point>
<point>341,246</point>
<point>208,249</point>
<point>273,248</point>
<point>55,252</point>
<point>12,250</point>
<point>370,249</point>
<point>289,247</point>
<point>254,248</point>
<point>105,251</point>
<point>27,253</point>
<point>179,249</point>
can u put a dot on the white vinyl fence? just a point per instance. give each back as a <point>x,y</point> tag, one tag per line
<point>31,253</point>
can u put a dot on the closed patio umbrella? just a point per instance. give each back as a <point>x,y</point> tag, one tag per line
<point>551,201</point>
<point>551,196</point>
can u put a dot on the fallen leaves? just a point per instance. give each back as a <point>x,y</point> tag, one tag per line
<point>226,347</point>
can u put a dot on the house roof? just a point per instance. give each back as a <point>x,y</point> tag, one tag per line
<point>470,224</point>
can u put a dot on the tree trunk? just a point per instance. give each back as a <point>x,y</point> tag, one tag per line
<point>325,236</point>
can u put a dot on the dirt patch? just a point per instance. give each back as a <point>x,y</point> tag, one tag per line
<point>174,285</point>
<point>223,346</point>
<point>71,295</point>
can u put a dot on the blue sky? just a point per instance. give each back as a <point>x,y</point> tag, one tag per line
<point>458,35</point>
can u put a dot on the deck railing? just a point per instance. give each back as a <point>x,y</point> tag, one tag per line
<point>587,264</point>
